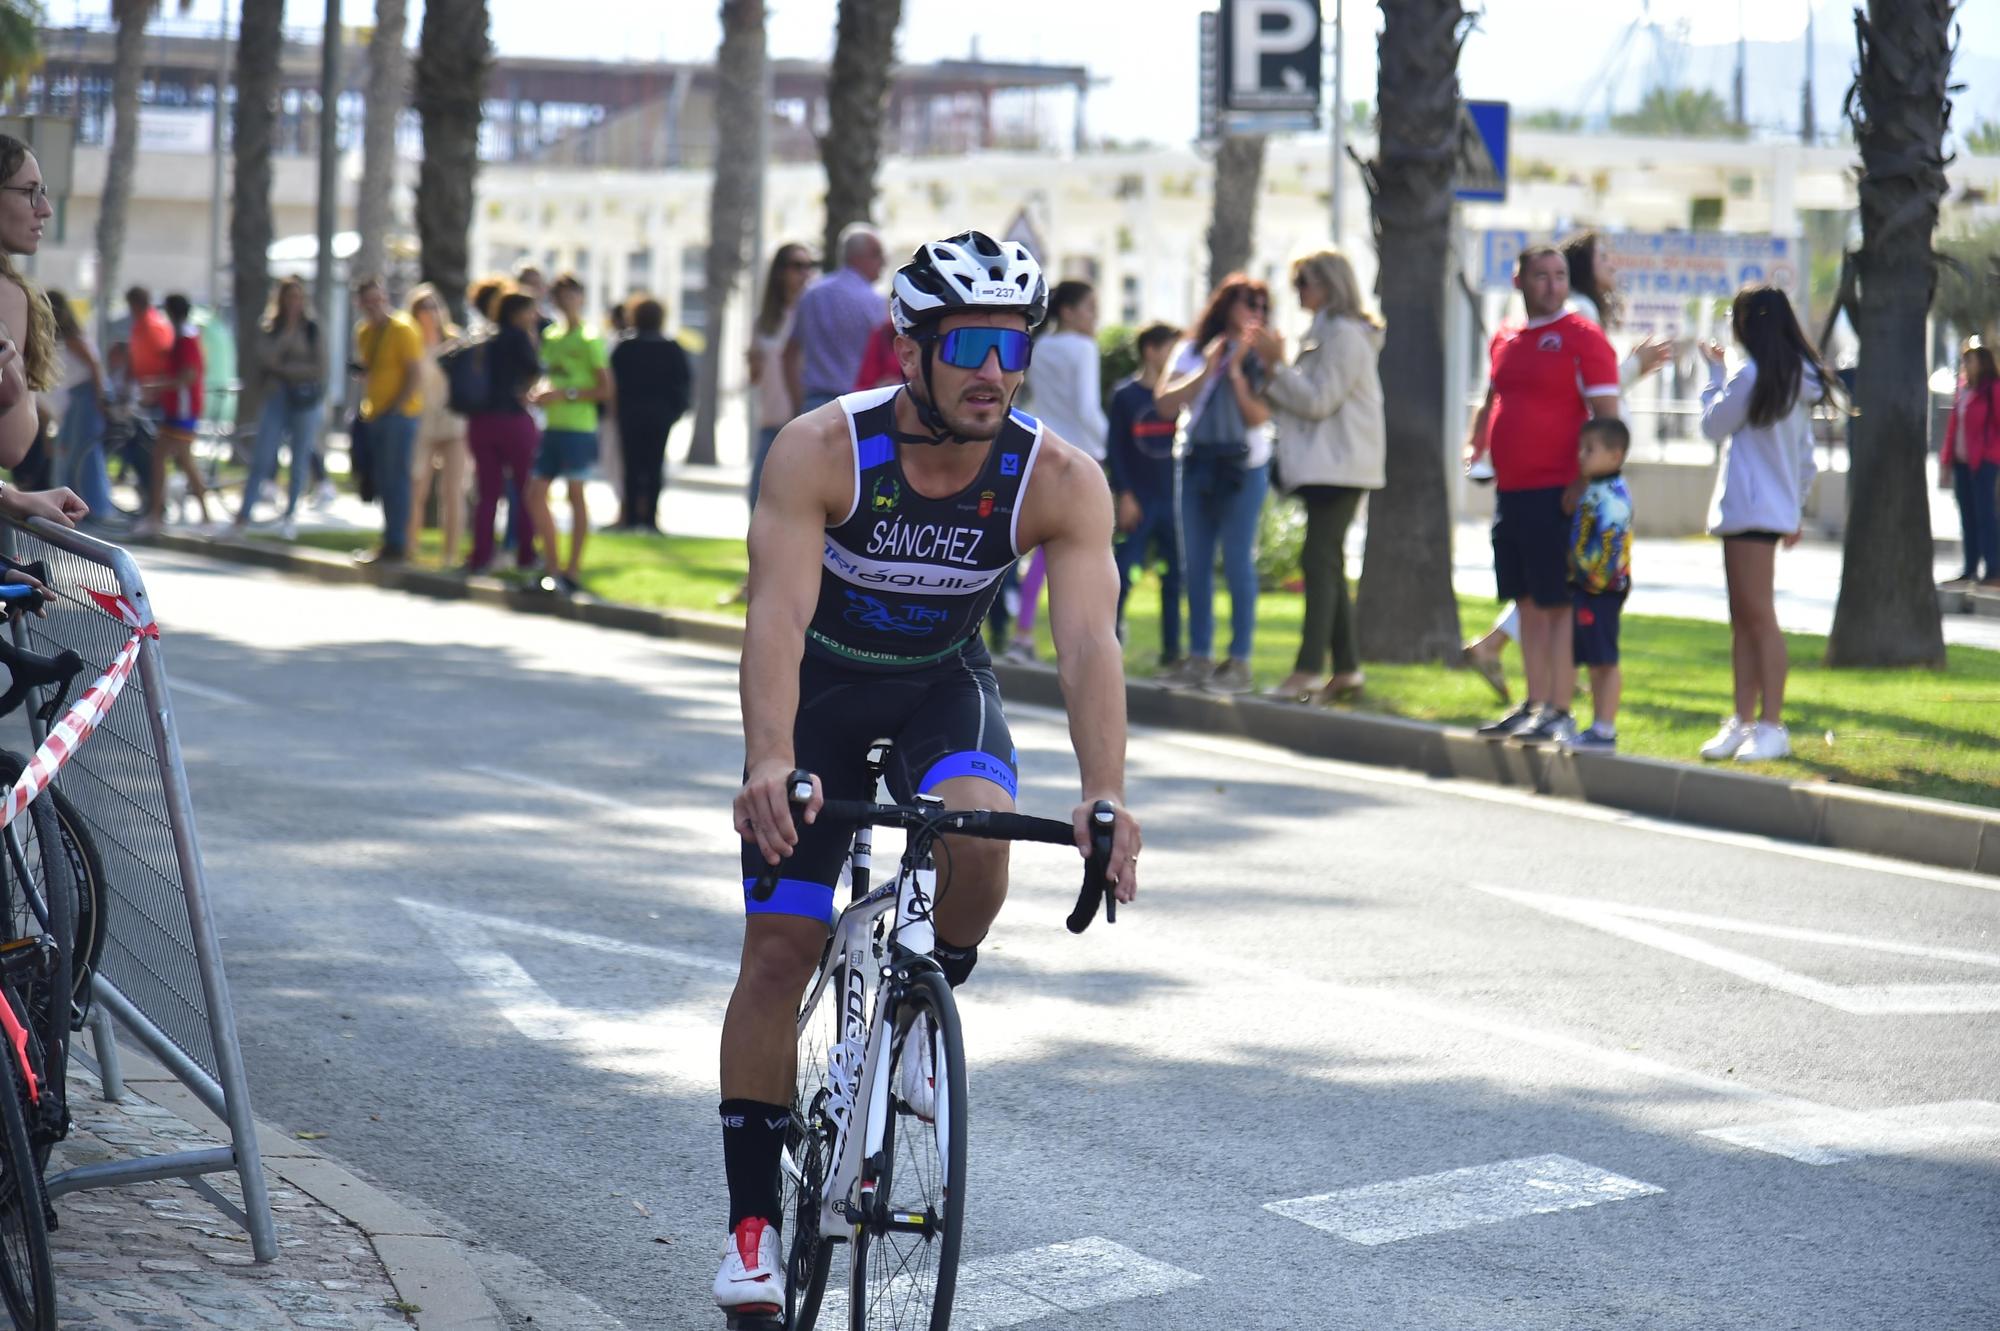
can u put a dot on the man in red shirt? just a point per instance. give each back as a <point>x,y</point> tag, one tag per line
<point>1549,376</point>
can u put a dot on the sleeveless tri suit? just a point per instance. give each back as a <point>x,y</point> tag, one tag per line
<point>894,650</point>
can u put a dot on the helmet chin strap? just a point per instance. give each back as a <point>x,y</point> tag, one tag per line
<point>927,412</point>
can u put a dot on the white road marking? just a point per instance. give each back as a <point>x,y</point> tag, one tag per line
<point>1028,1286</point>
<point>1867,1000</point>
<point>1252,752</point>
<point>450,918</point>
<point>512,778</point>
<point>193,690</point>
<point>673,1046</point>
<point>1460,1198</point>
<point>1832,1139</point>
<point>710,824</point>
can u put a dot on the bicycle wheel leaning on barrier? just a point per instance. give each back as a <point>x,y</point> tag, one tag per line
<point>87,888</point>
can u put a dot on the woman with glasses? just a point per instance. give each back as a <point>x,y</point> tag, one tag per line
<point>440,454</point>
<point>293,372</point>
<point>1214,384</point>
<point>1331,450</point>
<point>791,268</point>
<point>27,367</point>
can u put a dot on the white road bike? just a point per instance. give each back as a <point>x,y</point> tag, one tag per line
<point>861,1167</point>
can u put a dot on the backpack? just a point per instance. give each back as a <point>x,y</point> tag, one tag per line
<point>470,384</point>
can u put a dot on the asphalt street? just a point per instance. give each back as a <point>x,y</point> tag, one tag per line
<point>480,899</point>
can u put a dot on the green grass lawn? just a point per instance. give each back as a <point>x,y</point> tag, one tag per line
<point>1918,732</point>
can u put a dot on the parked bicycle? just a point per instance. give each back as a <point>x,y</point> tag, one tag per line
<point>863,1165</point>
<point>51,880</point>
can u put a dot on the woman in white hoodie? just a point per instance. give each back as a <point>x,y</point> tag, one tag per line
<point>1764,411</point>
<point>1066,393</point>
<point>1330,451</point>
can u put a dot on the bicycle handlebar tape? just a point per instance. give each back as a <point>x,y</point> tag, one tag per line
<point>1096,885</point>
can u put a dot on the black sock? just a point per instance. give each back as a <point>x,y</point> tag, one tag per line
<point>955,962</point>
<point>753,1139</point>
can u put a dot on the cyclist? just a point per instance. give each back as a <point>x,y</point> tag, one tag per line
<point>884,524</point>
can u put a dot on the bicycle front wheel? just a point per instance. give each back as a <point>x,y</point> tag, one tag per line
<point>905,1262</point>
<point>808,1158</point>
<point>27,1278</point>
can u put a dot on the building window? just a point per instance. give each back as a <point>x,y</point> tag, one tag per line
<point>694,288</point>
<point>1128,299</point>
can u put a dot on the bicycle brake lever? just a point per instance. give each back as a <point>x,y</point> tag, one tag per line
<point>1096,882</point>
<point>799,791</point>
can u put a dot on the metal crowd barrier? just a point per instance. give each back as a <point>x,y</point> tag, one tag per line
<point>160,974</point>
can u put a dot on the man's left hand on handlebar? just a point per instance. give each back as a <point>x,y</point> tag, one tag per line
<point>61,506</point>
<point>1125,842</point>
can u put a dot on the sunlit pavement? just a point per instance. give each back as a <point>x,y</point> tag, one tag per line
<point>1370,1052</point>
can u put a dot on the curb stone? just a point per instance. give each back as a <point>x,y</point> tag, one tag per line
<point>1842,817</point>
<point>428,1267</point>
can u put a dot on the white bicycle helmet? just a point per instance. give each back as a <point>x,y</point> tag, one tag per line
<point>968,271</point>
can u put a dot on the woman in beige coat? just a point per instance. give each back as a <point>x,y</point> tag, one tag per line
<point>1327,405</point>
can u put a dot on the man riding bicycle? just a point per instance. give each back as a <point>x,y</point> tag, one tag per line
<point>884,525</point>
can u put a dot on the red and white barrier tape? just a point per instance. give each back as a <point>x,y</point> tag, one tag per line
<point>84,716</point>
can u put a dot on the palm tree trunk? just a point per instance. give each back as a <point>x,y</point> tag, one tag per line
<point>857,96</point>
<point>739,102</point>
<point>1232,226</point>
<point>128,63</point>
<point>388,93</point>
<point>259,42</point>
<point>454,54</point>
<point>1407,611</point>
<point>1900,104</point>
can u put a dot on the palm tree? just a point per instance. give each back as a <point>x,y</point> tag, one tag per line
<point>454,54</point>
<point>739,105</point>
<point>1407,610</point>
<point>388,69</point>
<point>1900,106</point>
<point>1239,174</point>
<point>857,94</point>
<point>20,43</point>
<point>260,41</point>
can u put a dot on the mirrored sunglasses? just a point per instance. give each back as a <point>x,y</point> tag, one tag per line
<point>968,348</point>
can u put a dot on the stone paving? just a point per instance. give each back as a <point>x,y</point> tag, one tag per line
<point>158,1257</point>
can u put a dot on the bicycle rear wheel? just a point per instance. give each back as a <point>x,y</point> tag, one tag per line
<point>905,1261</point>
<point>27,1278</point>
<point>807,1160</point>
<point>88,889</point>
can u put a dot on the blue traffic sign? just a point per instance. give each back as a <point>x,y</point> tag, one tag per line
<point>1481,157</point>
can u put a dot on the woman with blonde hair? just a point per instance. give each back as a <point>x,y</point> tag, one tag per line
<point>292,368</point>
<point>440,450</point>
<point>1330,451</point>
<point>29,366</point>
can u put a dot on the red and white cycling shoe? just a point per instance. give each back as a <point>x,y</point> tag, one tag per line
<point>750,1287</point>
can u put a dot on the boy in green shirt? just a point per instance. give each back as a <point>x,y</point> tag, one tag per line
<point>578,380</point>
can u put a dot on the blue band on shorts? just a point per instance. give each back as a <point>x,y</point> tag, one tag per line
<point>794,896</point>
<point>970,763</point>
<point>182,424</point>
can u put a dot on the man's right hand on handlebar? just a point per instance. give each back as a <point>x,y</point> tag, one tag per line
<point>764,809</point>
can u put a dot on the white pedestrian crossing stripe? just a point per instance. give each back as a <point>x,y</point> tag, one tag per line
<point>1409,1208</point>
<point>1641,924</point>
<point>1025,1287</point>
<point>1833,1139</point>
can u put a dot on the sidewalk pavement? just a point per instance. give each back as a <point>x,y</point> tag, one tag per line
<point>1678,577</point>
<point>157,1256</point>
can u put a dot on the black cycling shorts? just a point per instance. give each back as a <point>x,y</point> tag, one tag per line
<point>944,721</point>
